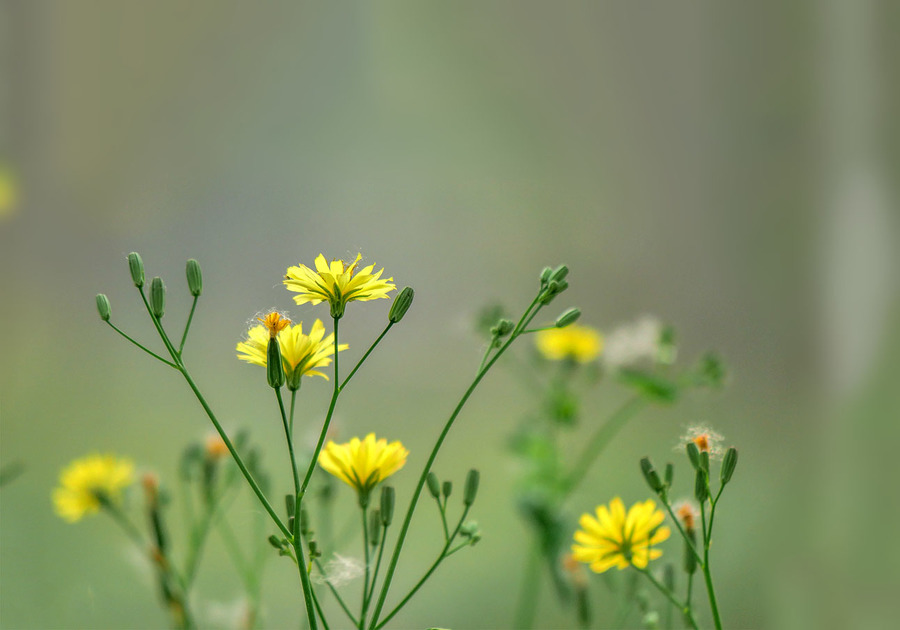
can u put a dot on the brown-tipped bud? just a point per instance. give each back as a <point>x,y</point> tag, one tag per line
<point>157,297</point>
<point>728,465</point>
<point>103,306</point>
<point>274,367</point>
<point>569,316</point>
<point>401,304</point>
<point>651,475</point>
<point>194,277</point>
<point>700,489</point>
<point>471,490</point>
<point>434,486</point>
<point>387,505</point>
<point>693,452</point>
<point>136,267</point>
<point>447,488</point>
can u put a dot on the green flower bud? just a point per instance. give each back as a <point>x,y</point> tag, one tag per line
<point>274,367</point>
<point>559,273</point>
<point>471,490</point>
<point>651,475</point>
<point>304,522</point>
<point>290,503</point>
<point>276,542</point>
<point>136,266</point>
<point>728,465</point>
<point>314,550</point>
<point>374,527</point>
<point>545,275</point>
<point>157,297</point>
<point>700,490</point>
<point>401,304</point>
<point>387,505</point>
<point>434,486</point>
<point>503,328</point>
<point>690,560</point>
<point>693,454</point>
<point>194,277</point>
<point>470,530</point>
<point>447,488</point>
<point>670,474</point>
<point>704,461</point>
<point>103,307</point>
<point>568,317</point>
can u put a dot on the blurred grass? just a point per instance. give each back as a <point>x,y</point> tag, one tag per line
<point>690,161</point>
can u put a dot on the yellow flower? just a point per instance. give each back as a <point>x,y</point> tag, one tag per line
<point>337,283</point>
<point>617,539</point>
<point>300,354</point>
<point>87,483</point>
<point>580,343</point>
<point>363,463</point>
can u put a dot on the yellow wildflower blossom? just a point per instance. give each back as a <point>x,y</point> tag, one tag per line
<point>87,483</point>
<point>616,539</point>
<point>301,354</point>
<point>336,283</point>
<point>363,463</point>
<point>581,343</point>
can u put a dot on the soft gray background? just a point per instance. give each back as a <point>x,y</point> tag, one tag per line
<point>726,168</point>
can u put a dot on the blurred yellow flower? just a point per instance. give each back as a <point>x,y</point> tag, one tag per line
<point>87,483</point>
<point>337,283</point>
<point>581,343</point>
<point>301,354</point>
<point>363,463</point>
<point>616,539</point>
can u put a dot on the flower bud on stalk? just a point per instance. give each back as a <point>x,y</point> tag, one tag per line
<point>569,316</point>
<point>274,367</point>
<point>401,304</point>
<point>651,475</point>
<point>471,490</point>
<point>503,328</point>
<point>728,465</point>
<point>693,454</point>
<point>670,474</point>
<point>387,505</point>
<point>374,527</point>
<point>136,267</point>
<point>194,277</point>
<point>157,297</point>
<point>700,490</point>
<point>434,486</point>
<point>447,488</point>
<point>103,307</point>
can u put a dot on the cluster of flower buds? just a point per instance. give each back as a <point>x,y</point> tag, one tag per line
<point>552,283</point>
<point>659,485</point>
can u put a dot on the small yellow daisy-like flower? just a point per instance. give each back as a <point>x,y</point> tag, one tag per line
<point>336,283</point>
<point>301,354</point>
<point>363,463</point>
<point>274,322</point>
<point>616,539</point>
<point>581,343</point>
<point>87,483</point>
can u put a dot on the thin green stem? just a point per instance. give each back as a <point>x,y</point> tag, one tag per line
<point>707,576</point>
<point>364,357</point>
<point>187,325</point>
<point>159,328</point>
<point>395,557</point>
<point>600,440</point>
<point>289,439</point>
<point>377,563</point>
<point>148,351</point>
<point>528,596</point>
<point>685,609</point>
<point>291,417</point>
<point>319,610</point>
<point>365,590</point>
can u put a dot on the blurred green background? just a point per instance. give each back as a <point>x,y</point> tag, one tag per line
<point>731,169</point>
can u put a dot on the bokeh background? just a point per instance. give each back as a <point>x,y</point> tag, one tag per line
<point>730,169</point>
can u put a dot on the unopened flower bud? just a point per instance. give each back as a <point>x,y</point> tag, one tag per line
<point>194,277</point>
<point>136,267</point>
<point>700,489</point>
<point>728,465</point>
<point>387,505</point>
<point>559,273</point>
<point>290,503</point>
<point>693,454</point>
<point>374,527</point>
<point>274,367</point>
<point>157,297</point>
<point>275,541</point>
<point>103,307</point>
<point>670,474</point>
<point>502,328</point>
<point>471,490</point>
<point>690,560</point>
<point>704,461</point>
<point>434,486</point>
<point>447,488</point>
<point>401,304</point>
<point>568,317</point>
<point>651,475</point>
<point>304,522</point>
<point>545,275</point>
